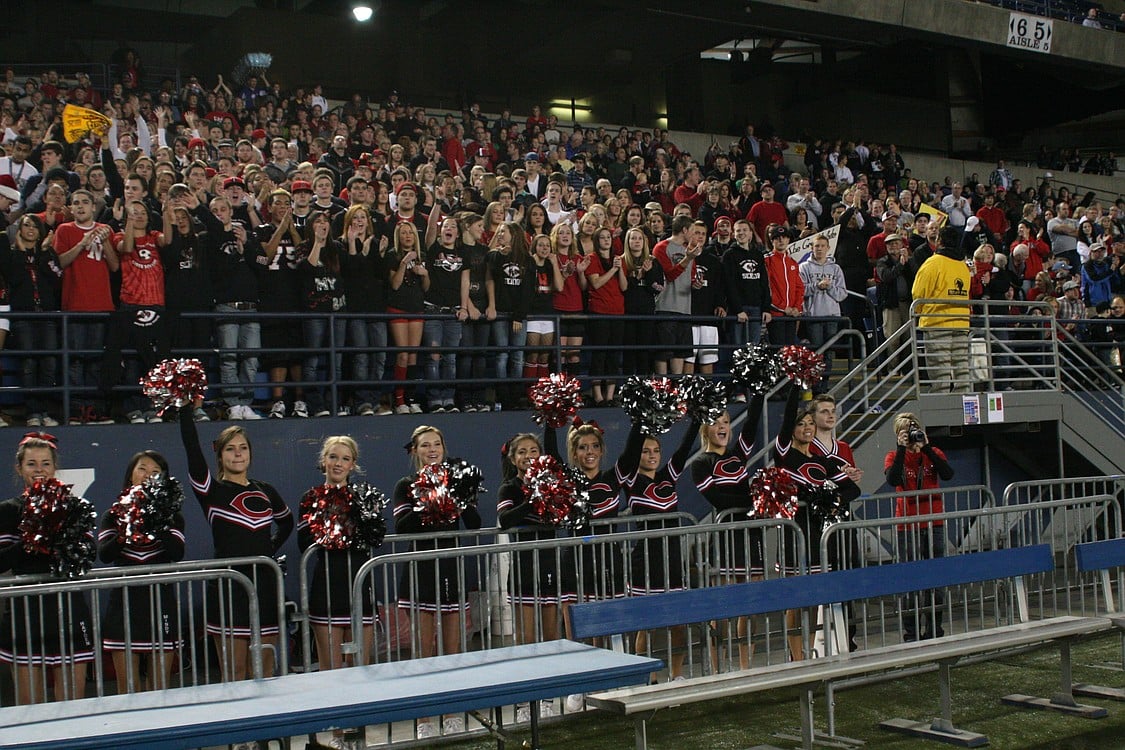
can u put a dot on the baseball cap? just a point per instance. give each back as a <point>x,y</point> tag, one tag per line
<point>777,232</point>
<point>196,143</point>
<point>226,143</point>
<point>653,206</point>
<point>578,157</point>
<point>723,220</point>
<point>1072,284</point>
<point>299,186</point>
<point>971,223</point>
<point>256,134</point>
<point>893,237</point>
<point>234,182</point>
<point>406,186</point>
<point>8,188</point>
<point>888,215</point>
<point>1098,246</point>
<point>531,156</point>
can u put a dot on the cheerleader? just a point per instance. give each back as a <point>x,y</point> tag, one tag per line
<point>30,637</point>
<point>722,477</point>
<point>792,451</point>
<point>428,587</point>
<point>538,589</point>
<point>656,564</point>
<point>247,517</point>
<point>330,596</point>
<point>152,629</point>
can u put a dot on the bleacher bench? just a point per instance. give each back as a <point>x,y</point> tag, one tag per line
<point>296,704</point>
<point>1102,558</point>
<point>724,602</point>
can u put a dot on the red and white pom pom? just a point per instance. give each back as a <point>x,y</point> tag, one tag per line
<point>148,509</point>
<point>434,497</point>
<point>327,511</point>
<point>801,365</point>
<point>129,513</point>
<point>773,493</point>
<point>556,494</point>
<point>46,505</point>
<point>175,383</point>
<point>556,399</point>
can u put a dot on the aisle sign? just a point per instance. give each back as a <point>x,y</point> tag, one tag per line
<point>1032,33</point>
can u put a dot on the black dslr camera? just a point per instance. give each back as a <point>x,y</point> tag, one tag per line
<point>915,433</point>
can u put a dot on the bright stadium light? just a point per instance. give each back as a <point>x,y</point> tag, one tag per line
<point>362,12</point>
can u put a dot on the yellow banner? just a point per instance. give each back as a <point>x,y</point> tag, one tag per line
<point>935,214</point>
<point>79,121</point>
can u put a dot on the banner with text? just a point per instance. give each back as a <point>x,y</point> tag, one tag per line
<point>800,250</point>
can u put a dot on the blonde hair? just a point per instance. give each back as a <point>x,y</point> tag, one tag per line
<point>631,264</point>
<point>704,441</point>
<point>345,440</point>
<point>903,420</point>
<point>227,435</point>
<point>575,434</point>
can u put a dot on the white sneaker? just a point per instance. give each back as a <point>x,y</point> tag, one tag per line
<point>426,729</point>
<point>523,714</point>
<point>547,709</point>
<point>383,411</point>
<point>199,415</point>
<point>402,409</point>
<point>453,725</point>
<point>32,421</point>
<point>135,417</point>
<point>153,418</point>
<point>415,408</point>
<point>575,702</point>
<point>48,420</point>
<point>366,410</point>
<point>300,410</point>
<point>344,411</point>
<point>235,411</point>
<point>322,413</point>
<point>277,411</point>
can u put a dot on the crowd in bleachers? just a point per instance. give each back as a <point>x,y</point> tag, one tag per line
<point>466,229</point>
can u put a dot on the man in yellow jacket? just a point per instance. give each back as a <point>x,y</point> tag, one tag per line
<point>944,322</point>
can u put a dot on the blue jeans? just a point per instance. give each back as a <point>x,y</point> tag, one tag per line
<point>321,333</point>
<point>441,334</point>
<point>509,348</point>
<point>472,364</point>
<point>86,340</point>
<point>749,332</point>
<point>240,332</point>
<point>817,333</point>
<point>40,371</point>
<point>367,366</point>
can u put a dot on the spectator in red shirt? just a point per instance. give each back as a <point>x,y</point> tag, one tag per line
<point>877,245</point>
<point>85,255</point>
<point>692,190</point>
<point>765,212</point>
<point>917,465</point>
<point>786,288</point>
<point>992,216</point>
<point>139,321</point>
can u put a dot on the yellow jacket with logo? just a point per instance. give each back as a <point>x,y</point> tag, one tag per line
<point>942,277</point>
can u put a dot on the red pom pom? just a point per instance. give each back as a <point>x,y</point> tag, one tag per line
<point>328,512</point>
<point>556,494</point>
<point>175,383</point>
<point>556,399</point>
<point>434,498</point>
<point>802,365</point>
<point>774,493</point>
<point>46,505</point>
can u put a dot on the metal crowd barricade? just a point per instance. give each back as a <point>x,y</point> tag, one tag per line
<point>162,611</point>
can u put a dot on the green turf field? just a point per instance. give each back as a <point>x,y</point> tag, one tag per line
<point>738,724</point>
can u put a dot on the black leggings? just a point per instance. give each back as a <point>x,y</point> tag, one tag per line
<point>607,331</point>
<point>638,333</point>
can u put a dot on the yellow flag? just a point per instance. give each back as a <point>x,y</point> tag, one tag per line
<point>935,214</point>
<point>78,121</point>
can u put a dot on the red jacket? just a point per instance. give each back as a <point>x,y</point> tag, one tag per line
<point>690,196</point>
<point>786,287</point>
<point>994,219</point>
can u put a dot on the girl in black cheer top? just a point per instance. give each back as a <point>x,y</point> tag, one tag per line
<point>792,452</point>
<point>650,489</point>
<point>247,517</point>
<point>153,627</point>
<point>30,638</point>
<point>722,477</point>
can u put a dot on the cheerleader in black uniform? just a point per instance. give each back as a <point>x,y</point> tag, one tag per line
<point>792,451</point>
<point>722,477</point>
<point>330,598</point>
<point>428,588</point>
<point>537,587</point>
<point>602,576</point>
<point>657,564</point>
<point>247,518</point>
<point>160,643</point>
<point>29,637</point>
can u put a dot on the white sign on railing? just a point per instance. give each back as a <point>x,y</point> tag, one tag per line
<point>1030,32</point>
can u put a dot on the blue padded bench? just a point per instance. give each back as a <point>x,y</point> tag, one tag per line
<point>1102,558</point>
<point>614,617</point>
<point>296,704</point>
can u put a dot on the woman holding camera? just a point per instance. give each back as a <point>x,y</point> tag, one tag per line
<point>917,465</point>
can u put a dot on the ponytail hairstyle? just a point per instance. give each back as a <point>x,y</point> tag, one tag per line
<point>508,468</point>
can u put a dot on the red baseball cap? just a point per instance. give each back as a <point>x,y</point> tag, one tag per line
<point>234,182</point>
